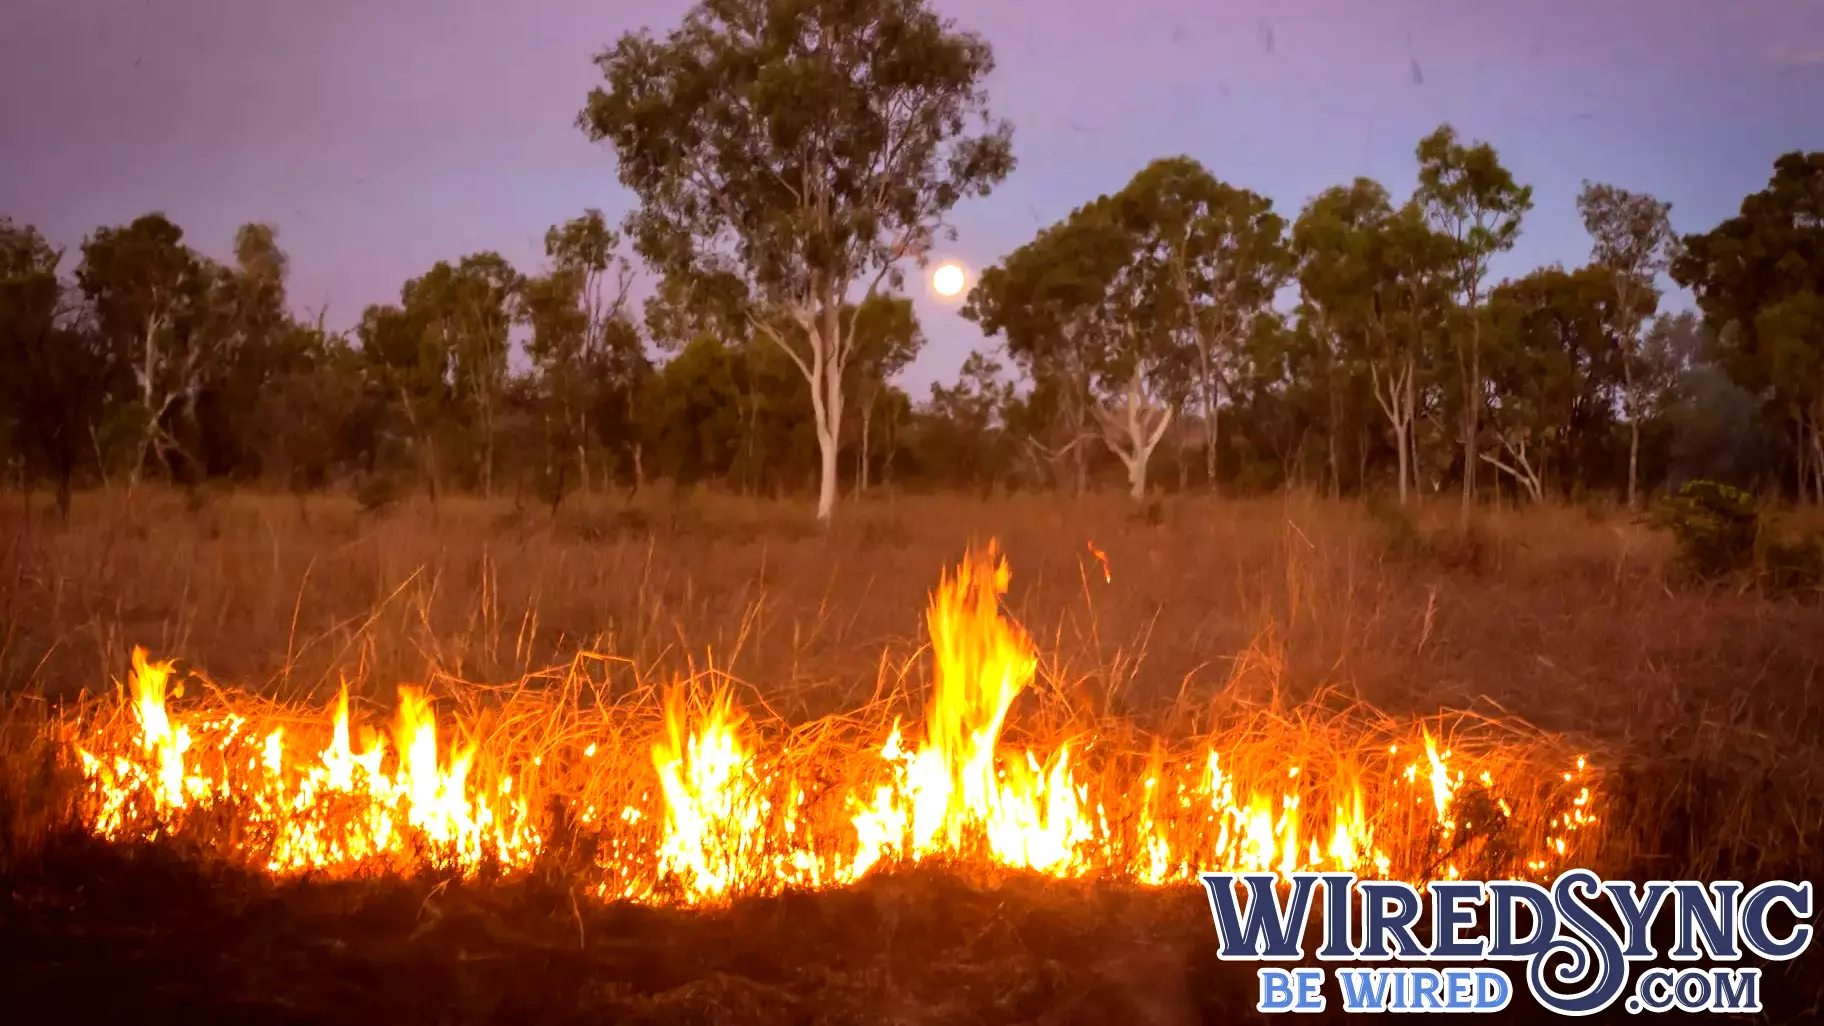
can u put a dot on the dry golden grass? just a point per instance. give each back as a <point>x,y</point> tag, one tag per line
<point>1700,705</point>
<point>1568,619</point>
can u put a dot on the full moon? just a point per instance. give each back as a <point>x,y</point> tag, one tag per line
<point>947,280</point>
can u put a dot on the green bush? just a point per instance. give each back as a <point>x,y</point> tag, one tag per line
<point>1714,526</point>
<point>1720,531</point>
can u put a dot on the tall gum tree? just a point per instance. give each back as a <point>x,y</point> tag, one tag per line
<point>1372,284</point>
<point>887,337</point>
<point>1334,275</point>
<point>1219,256</point>
<point>1475,202</point>
<point>254,341</point>
<point>1553,367</point>
<point>1144,320</point>
<point>1413,312</point>
<point>1743,272</point>
<point>54,374</point>
<point>1791,334</point>
<point>804,148</point>
<point>148,293</point>
<point>1633,240</point>
<point>409,363</point>
<point>1041,299</point>
<point>467,308</point>
<point>1339,280</point>
<point>1085,309</point>
<point>584,345</point>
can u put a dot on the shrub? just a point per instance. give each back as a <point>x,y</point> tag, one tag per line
<point>1714,527</point>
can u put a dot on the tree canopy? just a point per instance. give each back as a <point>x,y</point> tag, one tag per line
<point>798,149</point>
<point>749,323</point>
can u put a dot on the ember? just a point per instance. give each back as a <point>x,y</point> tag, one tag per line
<point>721,806</point>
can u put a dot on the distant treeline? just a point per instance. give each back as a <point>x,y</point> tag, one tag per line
<point>1138,340</point>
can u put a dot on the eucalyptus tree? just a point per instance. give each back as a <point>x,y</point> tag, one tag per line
<point>800,149</point>
<point>1088,311</point>
<point>1144,353</point>
<point>1044,300</point>
<point>409,365</point>
<point>1373,286</point>
<point>1752,275</point>
<point>1791,336</point>
<point>1473,200</point>
<point>466,311</point>
<point>1218,253</point>
<point>590,359</point>
<point>149,294</point>
<point>1633,240</point>
<point>887,337</point>
<point>55,373</point>
<point>1555,371</point>
<point>971,417</point>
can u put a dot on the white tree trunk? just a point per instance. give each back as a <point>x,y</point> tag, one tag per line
<point>1522,470</point>
<point>867,424</point>
<point>826,490</point>
<point>823,372</point>
<point>148,377</point>
<point>1399,440</point>
<point>829,423</point>
<point>1134,435</point>
<point>1136,479</point>
<point>1631,407</point>
<point>1396,398</point>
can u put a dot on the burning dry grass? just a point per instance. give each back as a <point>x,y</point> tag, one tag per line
<point>1280,637</point>
<point>684,799</point>
<point>730,807</point>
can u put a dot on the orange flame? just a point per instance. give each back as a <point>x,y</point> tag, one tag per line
<point>1101,557</point>
<point>342,809</point>
<point>740,816</point>
<point>955,792</point>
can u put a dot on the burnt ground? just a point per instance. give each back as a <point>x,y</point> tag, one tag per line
<point>91,933</point>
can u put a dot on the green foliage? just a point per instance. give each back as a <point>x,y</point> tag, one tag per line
<point>1140,306</point>
<point>693,412</point>
<point>590,363</point>
<point>1474,201</point>
<point>786,151</point>
<point>1772,249</point>
<point>1757,277</point>
<point>1554,369</point>
<point>1715,527</point>
<point>791,158</point>
<point>1374,307</point>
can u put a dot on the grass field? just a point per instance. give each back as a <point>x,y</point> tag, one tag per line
<point>1700,705</point>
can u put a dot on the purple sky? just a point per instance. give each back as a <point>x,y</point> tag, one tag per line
<point>384,135</point>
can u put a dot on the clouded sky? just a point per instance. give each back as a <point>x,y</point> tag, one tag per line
<point>384,135</point>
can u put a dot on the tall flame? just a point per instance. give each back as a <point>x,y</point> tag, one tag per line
<point>738,815</point>
<point>959,789</point>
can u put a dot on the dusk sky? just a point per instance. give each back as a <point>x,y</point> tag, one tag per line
<point>384,135</point>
